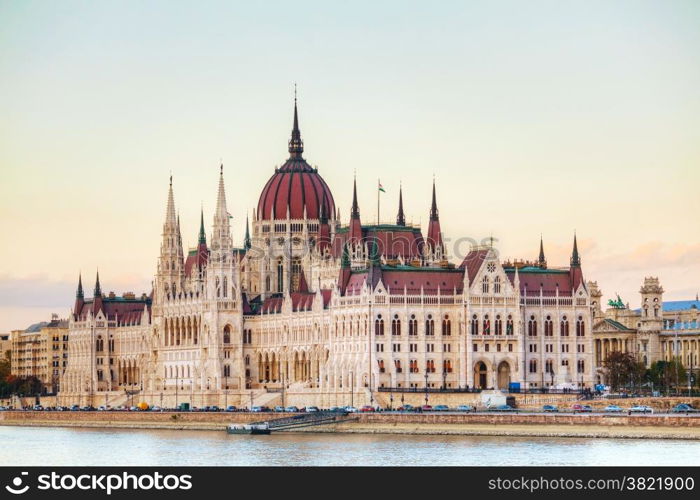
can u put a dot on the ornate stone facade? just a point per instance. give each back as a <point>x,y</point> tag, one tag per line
<point>318,312</point>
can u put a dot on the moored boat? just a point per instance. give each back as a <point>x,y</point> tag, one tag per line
<point>263,428</point>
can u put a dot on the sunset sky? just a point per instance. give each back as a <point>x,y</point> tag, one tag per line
<point>542,117</point>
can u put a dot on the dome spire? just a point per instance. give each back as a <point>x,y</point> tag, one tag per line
<point>296,145</point>
<point>355,212</point>
<point>575,258</point>
<point>202,234</point>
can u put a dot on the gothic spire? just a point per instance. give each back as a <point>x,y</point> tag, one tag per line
<point>98,289</point>
<point>170,217</point>
<point>246,240</point>
<point>575,258</point>
<point>202,234</point>
<point>79,294</point>
<point>541,259</point>
<point>296,145</point>
<point>433,208</point>
<point>400,218</point>
<point>355,212</point>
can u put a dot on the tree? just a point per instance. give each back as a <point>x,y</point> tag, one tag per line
<point>667,374</point>
<point>621,369</point>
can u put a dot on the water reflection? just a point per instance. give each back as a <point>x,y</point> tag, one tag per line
<point>85,447</point>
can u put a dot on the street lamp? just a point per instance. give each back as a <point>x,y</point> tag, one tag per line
<point>426,387</point>
<point>352,388</point>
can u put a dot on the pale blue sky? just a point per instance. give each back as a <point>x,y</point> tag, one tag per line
<point>535,117</point>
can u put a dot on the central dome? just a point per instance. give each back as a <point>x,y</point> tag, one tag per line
<point>296,187</point>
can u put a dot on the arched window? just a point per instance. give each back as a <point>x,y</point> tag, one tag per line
<point>548,327</point>
<point>498,325</point>
<point>497,284</point>
<point>446,326</point>
<point>280,275</point>
<point>227,370</point>
<point>549,366</point>
<point>227,334</point>
<point>580,327</point>
<point>533,366</point>
<point>581,365</point>
<point>396,325</point>
<point>532,327</point>
<point>429,325</point>
<point>564,327</point>
<point>379,326</point>
<point>487,325</point>
<point>509,325</point>
<point>225,287</point>
<point>475,325</point>
<point>413,325</point>
<point>485,284</point>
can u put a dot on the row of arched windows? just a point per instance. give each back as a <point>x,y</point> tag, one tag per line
<point>412,326</point>
<point>486,325</point>
<point>486,284</point>
<point>549,327</point>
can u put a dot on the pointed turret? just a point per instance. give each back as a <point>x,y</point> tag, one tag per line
<point>296,145</point>
<point>221,243</point>
<point>355,223</point>
<point>79,297</point>
<point>400,217</point>
<point>170,261</point>
<point>541,261</point>
<point>98,289</point>
<point>97,295</point>
<point>202,234</point>
<point>434,232</point>
<point>246,240</point>
<point>345,270</point>
<point>79,294</point>
<point>575,270</point>
<point>575,258</point>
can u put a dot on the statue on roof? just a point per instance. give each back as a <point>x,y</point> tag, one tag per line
<point>616,304</point>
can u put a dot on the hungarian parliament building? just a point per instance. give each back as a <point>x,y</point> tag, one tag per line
<point>325,311</point>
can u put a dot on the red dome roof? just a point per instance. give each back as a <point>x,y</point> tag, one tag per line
<point>295,186</point>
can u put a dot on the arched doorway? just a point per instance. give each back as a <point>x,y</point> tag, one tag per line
<point>480,375</point>
<point>503,375</point>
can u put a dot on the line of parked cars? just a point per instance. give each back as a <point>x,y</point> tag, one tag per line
<point>578,408</point>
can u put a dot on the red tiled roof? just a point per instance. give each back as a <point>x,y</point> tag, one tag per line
<point>473,261</point>
<point>295,186</point>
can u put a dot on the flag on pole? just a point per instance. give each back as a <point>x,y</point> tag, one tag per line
<point>381,188</point>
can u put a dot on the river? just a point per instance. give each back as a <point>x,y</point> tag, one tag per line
<point>56,446</point>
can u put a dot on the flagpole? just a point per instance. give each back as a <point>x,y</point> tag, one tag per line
<point>378,184</point>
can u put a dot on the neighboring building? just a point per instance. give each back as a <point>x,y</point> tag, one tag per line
<point>41,351</point>
<point>658,330</point>
<point>5,344</point>
<point>317,308</point>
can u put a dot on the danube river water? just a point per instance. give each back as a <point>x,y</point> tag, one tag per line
<point>86,447</point>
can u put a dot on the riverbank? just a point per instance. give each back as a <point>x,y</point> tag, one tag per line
<point>667,426</point>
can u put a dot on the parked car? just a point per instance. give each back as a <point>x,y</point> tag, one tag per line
<point>683,408</point>
<point>441,408</point>
<point>312,409</point>
<point>336,409</point>
<point>256,409</point>
<point>426,408</point>
<point>38,408</point>
<point>641,409</point>
<point>367,409</point>
<point>102,408</point>
<point>466,408</point>
<point>291,409</point>
<point>613,409</point>
<point>503,408</point>
<point>406,408</point>
<point>156,408</point>
<point>351,409</point>
<point>550,409</point>
<point>579,408</point>
<point>230,408</point>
